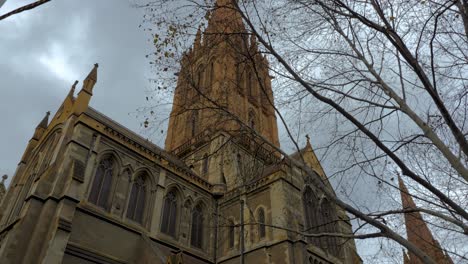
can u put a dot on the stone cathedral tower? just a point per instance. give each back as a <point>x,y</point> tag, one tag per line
<point>88,190</point>
<point>223,82</point>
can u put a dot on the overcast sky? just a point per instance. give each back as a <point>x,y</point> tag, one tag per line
<point>43,51</point>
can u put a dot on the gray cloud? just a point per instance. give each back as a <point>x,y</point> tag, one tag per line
<point>44,50</point>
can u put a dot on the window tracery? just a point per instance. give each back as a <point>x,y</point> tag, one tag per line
<point>137,201</point>
<point>168,225</point>
<point>100,190</point>
<point>196,238</point>
<point>261,223</point>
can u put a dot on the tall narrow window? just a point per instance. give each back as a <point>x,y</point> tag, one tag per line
<point>200,76</point>
<point>231,233</point>
<point>261,223</point>
<point>168,225</point>
<point>205,165</point>
<point>311,221</point>
<point>136,205</point>
<point>211,74</point>
<point>193,123</point>
<point>196,238</point>
<point>100,189</point>
<point>329,225</point>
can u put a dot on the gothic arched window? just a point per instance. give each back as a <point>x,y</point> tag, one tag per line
<point>261,223</point>
<point>310,207</point>
<point>200,78</point>
<point>137,202</point>
<point>169,219</point>
<point>231,233</point>
<point>329,226</point>
<point>250,85</point>
<point>101,187</point>
<point>196,238</point>
<point>48,151</point>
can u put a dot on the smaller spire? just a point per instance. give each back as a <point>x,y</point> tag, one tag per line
<point>4,177</point>
<point>45,121</point>
<point>72,90</point>
<point>90,80</point>
<point>308,141</point>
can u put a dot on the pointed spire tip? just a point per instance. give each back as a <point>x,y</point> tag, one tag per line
<point>45,120</point>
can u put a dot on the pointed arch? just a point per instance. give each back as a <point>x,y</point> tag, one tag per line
<point>329,225</point>
<point>169,214</point>
<point>48,149</point>
<point>310,202</point>
<point>102,183</point>
<point>188,203</point>
<point>138,198</point>
<point>261,223</point>
<point>196,234</point>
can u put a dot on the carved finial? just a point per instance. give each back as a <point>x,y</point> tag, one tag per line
<point>90,80</point>
<point>4,177</point>
<point>308,138</point>
<point>72,90</point>
<point>45,120</point>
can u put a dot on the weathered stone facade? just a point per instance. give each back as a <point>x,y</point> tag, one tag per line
<point>88,190</point>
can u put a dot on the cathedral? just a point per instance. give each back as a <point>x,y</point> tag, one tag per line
<point>88,190</point>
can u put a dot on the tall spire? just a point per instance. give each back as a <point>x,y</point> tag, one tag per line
<point>221,68</point>
<point>225,19</point>
<point>418,233</point>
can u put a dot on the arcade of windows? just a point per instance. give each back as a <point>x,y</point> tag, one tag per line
<point>104,182</point>
<point>320,218</point>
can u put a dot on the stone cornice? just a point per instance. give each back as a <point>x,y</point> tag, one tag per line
<point>118,133</point>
